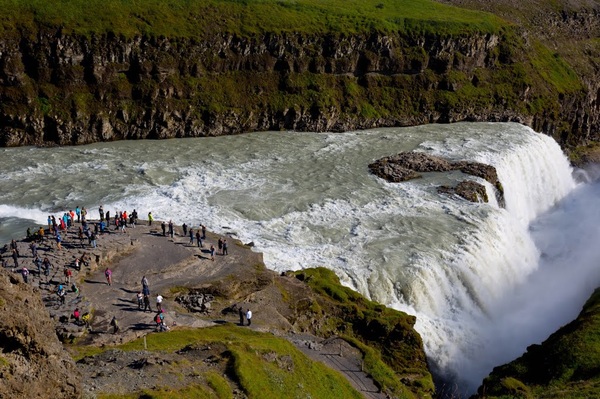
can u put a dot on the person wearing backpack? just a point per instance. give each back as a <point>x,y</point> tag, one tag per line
<point>62,293</point>
<point>160,321</point>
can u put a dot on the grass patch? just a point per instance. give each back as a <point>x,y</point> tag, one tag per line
<point>263,365</point>
<point>555,70</point>
<point>392,349</point>
<point>205,18</point>
<point>382,373</point>
<point>178,290</point>
<point>193,391</point>
<point>219,385</point>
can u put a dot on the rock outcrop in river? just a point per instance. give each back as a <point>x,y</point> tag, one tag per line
<point>409,165</point>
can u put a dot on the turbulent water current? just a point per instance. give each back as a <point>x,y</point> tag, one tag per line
<point>484,282</point>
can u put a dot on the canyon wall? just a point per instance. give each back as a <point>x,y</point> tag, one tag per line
<point>60,88</point>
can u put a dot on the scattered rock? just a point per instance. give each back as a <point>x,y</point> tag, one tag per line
<point>196,302</point>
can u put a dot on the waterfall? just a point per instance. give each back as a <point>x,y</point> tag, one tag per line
<point>307,200</point>
<point>493,261</point>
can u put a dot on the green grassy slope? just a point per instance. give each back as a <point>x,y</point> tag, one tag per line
<point>390,345</point>
<point>252,365</point>
<point>199,18</point>
<point>264,365</point>
<point>566,365</point>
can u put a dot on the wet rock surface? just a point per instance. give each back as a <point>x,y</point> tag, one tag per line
<point>410,165</point>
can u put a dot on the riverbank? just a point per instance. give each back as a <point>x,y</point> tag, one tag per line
<point>282,305</point>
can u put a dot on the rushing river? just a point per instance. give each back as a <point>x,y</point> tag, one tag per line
<point>484,282</point>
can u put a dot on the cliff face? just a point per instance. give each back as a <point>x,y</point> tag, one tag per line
<point>58,88</point>
<point>33,363</point>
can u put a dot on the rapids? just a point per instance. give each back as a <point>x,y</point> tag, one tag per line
<point>484,282</point>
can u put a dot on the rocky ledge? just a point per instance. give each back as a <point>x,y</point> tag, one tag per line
<point>299,320</point>
<point>409,165</point>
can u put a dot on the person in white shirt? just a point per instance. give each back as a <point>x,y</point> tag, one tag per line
<point>159,300</point>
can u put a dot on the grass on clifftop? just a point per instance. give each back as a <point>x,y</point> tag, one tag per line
<point>392,350</point>
<point>203,18</point>
<point>264,366</point>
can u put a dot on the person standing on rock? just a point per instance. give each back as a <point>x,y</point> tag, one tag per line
<point>86,320</point>
<point>220,246</point>
<point>224,247</point>
<point>159,300</point>
<point>101,212</point>
<point>25,274</point>
<point>184,227</point>
<point>249,316</point>
<point>108,275</point>
<point>93,238</point>
<point>15,256</point>
<point>191,236</point>
<point>78,213</point>
<point>198,238</point>
<point>140,300</point>
<point>58,241</point>
<point>212,252</point>
<point>115,324</point>
<point>203,231</point>
<point>163,226</point>
<point>150,218</point>
<point>147,303</point>
<point>241,313</point>
<point>15,247</point>
<point>145,283</point>
<point>171,230</point>
<point>47,266</point>
<point>37,261</point>
<point>41,234</point>
<point>67,272</point>
<point>159,319</point>
<point>33,247</point>
<point>62,294</point>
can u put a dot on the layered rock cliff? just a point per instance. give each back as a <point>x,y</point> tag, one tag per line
<point>64,88</point>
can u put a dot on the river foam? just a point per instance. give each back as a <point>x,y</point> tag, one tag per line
<point>308,200</point>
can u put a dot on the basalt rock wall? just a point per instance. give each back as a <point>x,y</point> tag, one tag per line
<point>58,88</point>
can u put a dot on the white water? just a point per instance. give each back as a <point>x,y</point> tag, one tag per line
<point>482,281</point>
